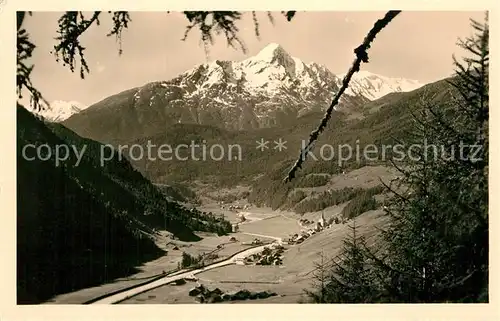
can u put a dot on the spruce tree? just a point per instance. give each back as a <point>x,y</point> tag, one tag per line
<point>437,242</point>
<point>349,280</point>
<point>320,276</point>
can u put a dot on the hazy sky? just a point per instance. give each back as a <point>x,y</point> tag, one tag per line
<point>416,45</point>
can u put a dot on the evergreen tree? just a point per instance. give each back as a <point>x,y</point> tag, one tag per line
<point>436,246</point>
<point>350,280</point>
<point>437,243</point>
<point>320,277</point>
<point>187,260</point>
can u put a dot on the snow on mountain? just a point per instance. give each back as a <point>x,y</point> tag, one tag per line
<point>269,89</point>
<point>269,72</point>
<point>60,110</point>
<point>259,91</point>
<point>374,86</point>
<point>273,82</point>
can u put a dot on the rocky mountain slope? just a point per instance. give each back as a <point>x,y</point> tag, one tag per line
<point>269,89</point>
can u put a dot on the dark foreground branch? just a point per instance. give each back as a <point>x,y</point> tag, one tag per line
<point>361,56</point>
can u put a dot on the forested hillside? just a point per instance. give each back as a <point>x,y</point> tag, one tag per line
<point>82,225</point>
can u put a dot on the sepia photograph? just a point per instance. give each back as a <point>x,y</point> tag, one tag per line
<point>252,157</point>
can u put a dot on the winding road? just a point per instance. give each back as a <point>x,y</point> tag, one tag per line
<point>179,275</point>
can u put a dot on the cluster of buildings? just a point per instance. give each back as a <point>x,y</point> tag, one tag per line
<point>271,255</point>
<point>320,225</point>
<point>233,207</point>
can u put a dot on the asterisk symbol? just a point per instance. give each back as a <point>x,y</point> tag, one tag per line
<point>262,144</point>
<point>280,144</point>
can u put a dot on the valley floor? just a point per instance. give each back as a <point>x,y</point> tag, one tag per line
<point>287,280</point>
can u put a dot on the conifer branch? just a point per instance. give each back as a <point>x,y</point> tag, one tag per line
<point>361,56</point>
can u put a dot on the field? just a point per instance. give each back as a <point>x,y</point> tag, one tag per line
<point>277,226</point>
<point>288,280</point>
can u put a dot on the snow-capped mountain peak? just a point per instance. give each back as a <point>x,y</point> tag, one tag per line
<point>374,86</point>
<point>60,110</point>
<point>273,53</point>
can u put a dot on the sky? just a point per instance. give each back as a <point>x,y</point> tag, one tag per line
<point>415,45</point>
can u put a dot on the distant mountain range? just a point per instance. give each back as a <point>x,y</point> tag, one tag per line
<point>60,110</point>
<point>373,86</point>
<point>269,89</point>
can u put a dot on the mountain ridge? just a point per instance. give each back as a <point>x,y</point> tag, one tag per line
<point>60,110</point>
<point>269,89</point>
